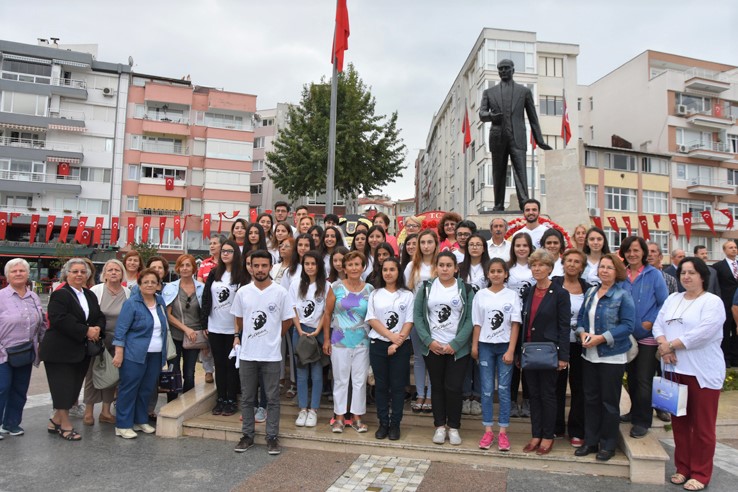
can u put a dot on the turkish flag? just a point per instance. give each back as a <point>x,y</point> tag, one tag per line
<point>220,221</point>
<point>687,218</point>
<point>3,224</point>
<point>253,215</point>
<point>80,229</point>
<point>177,228</point>
<point>85,237</point>
<point>131,230</point>
<point>726,212</point>
<point>466,130</point>
<point>643,220</point>
<point>268,211</point>
<point>565,126</point>
<point>63,169</point>
<point>162,226</point>
<point>206,226</point>
<point>656,219</point>
<point>66,223</point>
<point>114,229</point>
<point>34,227</point>
<point>97,235</point>
<point>598,222</point>
<point>50,226</point>
<point>341,35</point>
<point>13,215</point>
<point>145,229</point>
<point>613,223</point>
<point>533,141</point>
<point>169,184</point>
<point>400,222</point>
<point>707,217</point>
<point>626,221</point>
<point>674,224</point>
<point>717,110</point>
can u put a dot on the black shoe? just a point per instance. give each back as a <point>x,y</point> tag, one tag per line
<point>229,408</point>
<point>638,432</point>
<point>498,208</point>
<point>625,418</point>
<point>273,446</point>
<point>382,432</point>
<point>245,443</point>
<point>394,432</point>
<point>585,450</point>
<point>605,455</point>
<point>663,416</point>
<point>218,410</point>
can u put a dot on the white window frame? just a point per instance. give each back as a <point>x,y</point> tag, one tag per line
<point>655,202</point>
<point>615,196</point>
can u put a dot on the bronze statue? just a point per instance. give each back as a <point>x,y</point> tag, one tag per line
<point>503,105</point>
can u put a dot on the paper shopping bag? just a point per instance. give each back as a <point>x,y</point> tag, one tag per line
<point>669,396</point>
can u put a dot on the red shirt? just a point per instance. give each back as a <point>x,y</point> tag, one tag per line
<point>538,295</point>
<point>205,267</point>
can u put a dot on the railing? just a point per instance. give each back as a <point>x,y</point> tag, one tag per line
<point>30,143</point>
<point>201,119</point>
<point>164,148</point>
<point>27,77</point>
<point>709,182</point>
<point>157,211</point>
<point>69,114</point>
<point>166,118</point>
<point>703,73</point>
<point>76,84</point>
<point>711,146</point>
<point>38,177</point>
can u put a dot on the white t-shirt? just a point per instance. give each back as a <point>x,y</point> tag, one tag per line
<point>558,269</point>
<point>287,279</point>
<point>520,279</point>
<point>368,268</point>
<point>155,344</point>
<point>310,310</point>
<point>476,277</point>
<point>576,304</point>
<point>392,309</point>
<point>459,256</point>
<point>535,234</point>
<point>494,313</point>
<point>263,312</point>
<point>444,311</point>
<point>590,273</point>
<point>222,292</point>
<point>423,274</point>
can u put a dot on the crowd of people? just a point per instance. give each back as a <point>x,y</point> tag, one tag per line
<point>474,317</point>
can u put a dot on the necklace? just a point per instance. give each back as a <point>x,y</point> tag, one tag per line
<point>687,305</point>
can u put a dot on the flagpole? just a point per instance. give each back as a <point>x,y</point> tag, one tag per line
<point>330,176</point>
<point>466,164</point>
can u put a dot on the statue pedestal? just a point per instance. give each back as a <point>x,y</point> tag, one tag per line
<point>513,207</point>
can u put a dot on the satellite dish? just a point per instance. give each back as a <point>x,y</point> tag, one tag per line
<point>130,61</point>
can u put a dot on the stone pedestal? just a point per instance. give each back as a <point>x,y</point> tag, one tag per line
<point>565,201</point>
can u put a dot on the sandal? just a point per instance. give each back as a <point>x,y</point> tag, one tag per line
<point>292,392</point>
<point>359,426</point>
<point>55,429</point>
<point>417,405</point>
<point>678,479</point>
<point>88,420</point>
<point>69,434</point>
<point>693,484</point>
<point>427,407</point>
<point>337,426</point>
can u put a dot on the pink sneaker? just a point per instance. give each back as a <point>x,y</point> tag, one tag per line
<point>503,443</point>
<point>487,439</point>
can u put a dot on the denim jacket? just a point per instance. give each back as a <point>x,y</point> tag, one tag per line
<point>135,326</point>
<point>614,319</point>
<point>171,291</point>
<point>649,293</point>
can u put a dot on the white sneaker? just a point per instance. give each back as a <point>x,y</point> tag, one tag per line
<point>312,418</point>
<point>454,437</point>
<point>439,437</point>
<point>260,415</point>
<point>145,428</point>
<point>126,433</point>
<point>475,408</point>
<point>77,411</point>
<point>301,418</point>
<point>466,407</point>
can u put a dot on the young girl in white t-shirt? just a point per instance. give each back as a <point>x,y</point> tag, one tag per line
<point>496,317</point>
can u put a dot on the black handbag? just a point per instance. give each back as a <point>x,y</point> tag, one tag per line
<point>170,381</point>
<point>95,348</point>
<point>539,355</point>
<point>21,355</point>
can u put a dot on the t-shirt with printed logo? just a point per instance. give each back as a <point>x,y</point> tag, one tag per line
<point>444,311</point>
<point>392,309</point>
<point>222,293</point>
<point>311,308</point>
<point>263,312</point>
<point>495,313</point>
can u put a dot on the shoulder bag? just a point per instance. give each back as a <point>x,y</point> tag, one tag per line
<point>539,356</point>
<point>104,374</point>
<point>21,355</point>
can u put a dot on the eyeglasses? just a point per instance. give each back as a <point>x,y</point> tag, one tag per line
<point>677,320</point>
<point>187,304</point>
<point>606,267</point>
<point>227,251</point>
<point>472,245</point>
<point>463,234</point>
<point>78,272</point>
<point>411,225</point>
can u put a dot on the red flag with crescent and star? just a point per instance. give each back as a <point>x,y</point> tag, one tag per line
<point>656,219</point>
<point>177,227</point>
<point>63,169</point>
<point>341,35</point>
<point>169,184</point>
<point>565,126</point>
<point>162,226</point>
<point>114,230</point>
<point>50,226</point>
<point>66,224</point>
<point>81,224</point>
<point>643,220</point>
<point>97,235</point>
<point>466,130</point>
<point>613,223</point>
<point>85,237</point>
<point>726,212</point>
<point>687,218</point>
<point>597,221</point>
<point>707,217</point>
<point>206,226</point>
<point>131,230</point>
<point>674,224</point>
<point>626,221</point>
<point>145,229</point>
<point>3,224</point>
<point>34,227</point>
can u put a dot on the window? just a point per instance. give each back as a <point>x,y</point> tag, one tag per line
<point>21,103</point>
<point>555,141</point>
<point>551,105</point>
<point>521,54</point>
<point>227,121</point>
<point>259,142</point>
<point>733,142</point>
<point>655,202</point>
<point>258,165</point>
<point>21,170</point>
<point>229,149</point>
<point>108,145</point>
<point>509,180</point>
<point>168,243</point>
<point>694,139</point>
<point>694,174</point>
<point>24,71</point>
<point>733,176</point>
<point>591,103</point>
<point>623,199</point>
<point>654,166</point>
<point>471,183</point>
<point>661,238</point>
<point>319,199</point>
<point>83,205</point>
<point>133,172</point>
<point>615,238</point>
<point>160,172</point>
<point>621,162</point>
<point>694,104</point>
<point>94,174</point>
<point>694,206</point>
<point>590,158</point>
<point>542,182</point>
<point>590,195</point>
<point>579,104</point>
<point>267,122</point>
<point>550,66</point>
<point>163,145</point>
<point>18,200</point>
<point>131,204</point>
<point>256,189</point>
<point>682,243</point>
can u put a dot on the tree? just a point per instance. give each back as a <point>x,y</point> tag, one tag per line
<point>369,150</point>
<point>146,250</point>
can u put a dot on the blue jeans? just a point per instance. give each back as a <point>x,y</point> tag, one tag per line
<point>312,371</point>
<point>491,366</point>
<point>137,384</point>
<point>14,383</point>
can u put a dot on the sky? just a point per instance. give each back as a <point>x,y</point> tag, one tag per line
<point>407,51</point>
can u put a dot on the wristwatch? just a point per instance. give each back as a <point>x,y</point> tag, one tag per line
<point>237,335</point>
<point>671,347</point>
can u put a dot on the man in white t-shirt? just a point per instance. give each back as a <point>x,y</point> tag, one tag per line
<point>531,212</point>
<point>281,212</point>
<point>498,246</point>
<point>263,315</point>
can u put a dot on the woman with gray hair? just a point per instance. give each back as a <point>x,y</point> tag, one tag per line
<point>111,295</point>
<point>22,325</point>
<point>75,319</point>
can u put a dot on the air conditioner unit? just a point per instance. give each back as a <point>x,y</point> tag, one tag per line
<point>682,149</point>
<point>594,212</point>
<point>681,109</point>
<point>108,92</point>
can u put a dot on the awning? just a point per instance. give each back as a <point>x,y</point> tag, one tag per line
<point>29,59</point>
<point>27,128</point>
<point>67,128</point>
<point>68,160</point>
<point>159,202</point>
<point>71,63</point>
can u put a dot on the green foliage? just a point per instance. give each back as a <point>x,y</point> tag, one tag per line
<point>63,252</point>
<point>731,380</point>
<point>369,150</point>
<point>146,250</point>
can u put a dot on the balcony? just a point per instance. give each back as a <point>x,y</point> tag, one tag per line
<point>700,79</point>
<point>167,124</point>
<point>164,148</point>
<point>160,212</point>
<point>705,186</point>
<point>29,143</point>
<point>75,84</point>
<point>707,119</point>
<point>713,151</point>
<point>31,182</point>
<point>719,220</point>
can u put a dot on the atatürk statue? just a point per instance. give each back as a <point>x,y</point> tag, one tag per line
<point>503,105</point>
